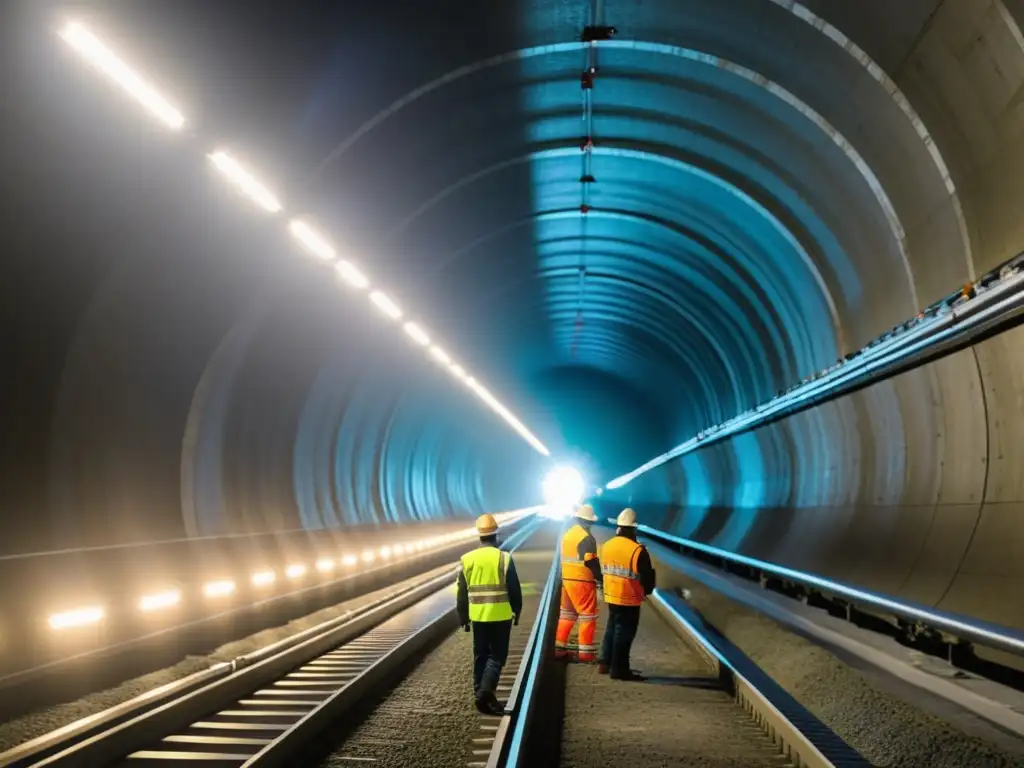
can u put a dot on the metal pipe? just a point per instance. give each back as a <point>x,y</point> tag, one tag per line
<point>964,627</point>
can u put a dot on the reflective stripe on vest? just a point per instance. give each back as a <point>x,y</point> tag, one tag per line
<point>573,568</point>
<point>485,569</point>
<point>618,565</point>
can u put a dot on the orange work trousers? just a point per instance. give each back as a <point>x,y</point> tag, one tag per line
<point>579,603</point>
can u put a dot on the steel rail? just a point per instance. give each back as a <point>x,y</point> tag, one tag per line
<point>128,727</point>
<point>800,736</point>
<point>509,740</point>
<point>957,625</point>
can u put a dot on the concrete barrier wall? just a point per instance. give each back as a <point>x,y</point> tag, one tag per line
<point>116,578</point>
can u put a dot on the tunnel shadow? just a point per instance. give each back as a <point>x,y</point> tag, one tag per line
<point>707,683</point>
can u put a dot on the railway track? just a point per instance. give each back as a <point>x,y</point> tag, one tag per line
<point>263,710</point>
<point>270,710</point>
<point>788,731</point>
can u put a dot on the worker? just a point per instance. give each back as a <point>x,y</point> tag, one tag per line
<point>581,573</point>
<point>628,578</point>
<point>489,601</point>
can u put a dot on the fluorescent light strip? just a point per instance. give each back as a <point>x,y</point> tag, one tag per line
<point>351,275</point>
<point>312,240</point>
<point>417,334</point>
<point>386,305</point>
<point>92,49</point>
<point>79,617</point>
<point>246,183</point>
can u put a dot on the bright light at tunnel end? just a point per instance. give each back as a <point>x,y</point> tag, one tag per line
<point>563,489</point>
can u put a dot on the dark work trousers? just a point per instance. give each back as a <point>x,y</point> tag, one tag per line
<point>623,621</point>
<point>490,652</point>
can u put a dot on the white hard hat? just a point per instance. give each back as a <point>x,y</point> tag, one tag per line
<point>626,519</point>
<point>586,512</point>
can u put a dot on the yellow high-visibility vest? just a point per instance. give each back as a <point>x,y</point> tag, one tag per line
<point>485,570</point>
<point>573,568</point>
<point>618,567</point>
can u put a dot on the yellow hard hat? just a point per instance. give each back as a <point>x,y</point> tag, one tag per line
<point>586,512</point>
<point>626,519</point>
<point>486,525</point>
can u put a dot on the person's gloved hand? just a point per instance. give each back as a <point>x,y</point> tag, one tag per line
<point>465,627</point>
<point>515,621</point>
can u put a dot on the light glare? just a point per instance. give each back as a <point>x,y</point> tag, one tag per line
<point>263,578</point>
<point>386,305</point>
<point>325,565</point>
<point>351,275</point>
<point>417,334</point>
<point>78,617</point>
<point>349,561</point>
<point>311,240</point>
<point>96,53</point>
<point>295,571</point>
<point>440,355</point>
<point>563,488</point>
<point>219,588</point>
<point>160,600</point>
<point>244,181</point>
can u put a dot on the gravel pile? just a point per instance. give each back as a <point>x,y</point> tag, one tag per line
<point>678,717</point>
<point>887,730</point>
<point>21,729</point>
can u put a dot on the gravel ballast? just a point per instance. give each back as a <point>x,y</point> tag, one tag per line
<point>429,719</point>
<point>679,716</point>
<point>33,725</point>
<point>887,730</point>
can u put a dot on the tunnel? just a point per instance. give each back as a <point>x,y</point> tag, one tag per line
<point>630,219</point>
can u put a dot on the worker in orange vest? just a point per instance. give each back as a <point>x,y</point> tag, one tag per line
<point>581,574</point>
<point>628,578</point>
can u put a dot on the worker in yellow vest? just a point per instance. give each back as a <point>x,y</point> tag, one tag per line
<point>628,578</point>
<point>581,573</point>
<point>489,601</point>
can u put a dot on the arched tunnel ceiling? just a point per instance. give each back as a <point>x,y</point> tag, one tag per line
<point>771,189</point>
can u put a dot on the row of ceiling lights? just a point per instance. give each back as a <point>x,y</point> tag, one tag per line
<point>94,51</point>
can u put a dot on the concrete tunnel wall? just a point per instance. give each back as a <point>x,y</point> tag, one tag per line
<point>775,188</point>
<point>913,486</point>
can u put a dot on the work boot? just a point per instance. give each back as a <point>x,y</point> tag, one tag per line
<point>487,704</point>
<point>602,669</point>
<point>628,677</point>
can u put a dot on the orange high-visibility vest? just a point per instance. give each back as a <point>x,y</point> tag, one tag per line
<point>573,568</point>
<point>618,565</point>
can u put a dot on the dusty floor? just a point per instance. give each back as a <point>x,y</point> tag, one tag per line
<point>889,731</point>
<point>36,724</point>
<point>678,717</point>
<point>429,719</point>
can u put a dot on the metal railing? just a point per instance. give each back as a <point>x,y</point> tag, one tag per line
<point>963,627</point>
<point>992,302</point>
